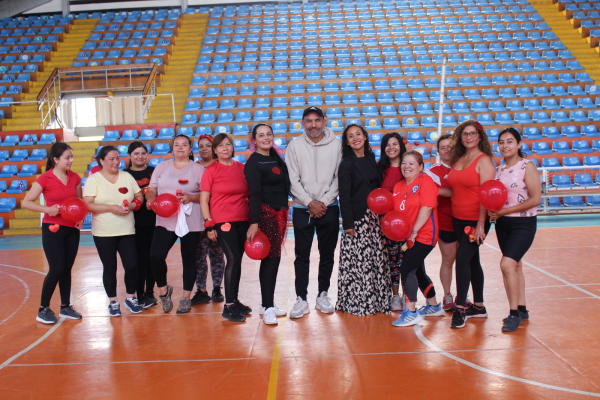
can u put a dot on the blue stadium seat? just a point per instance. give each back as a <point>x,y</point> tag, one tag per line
<point>17,186</point>
<point>166,134</point>
<point>7,204</point>
<point>161,149</point>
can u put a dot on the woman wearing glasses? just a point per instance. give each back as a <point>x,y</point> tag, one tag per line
<point>471,166</point>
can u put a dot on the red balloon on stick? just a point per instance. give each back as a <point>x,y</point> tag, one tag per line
<point>380,201</point>
<point>165,205</point>
<point>259,248</point>
<point>493,195</point>
<point>396,226</point>
<point>73,210</point>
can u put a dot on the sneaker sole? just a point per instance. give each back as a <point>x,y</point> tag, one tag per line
<point>304,312</point>
<point>414,322</point>
<point>323,311</point>
<point>270,323</point>
<point>43,321</point>
<point>460,326</point>
<point>203,301</point>
<point>115,315</point>
<point>233,320</point>
<point>182,312</point>
<point>476,316</point>
<point>130,309</point>
<point>149,305</point>
<point>262,312</point>
<point>68,316</point>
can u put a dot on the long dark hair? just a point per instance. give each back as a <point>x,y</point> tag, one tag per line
<point>132,147</point>
<point>347,150</point>
<point>275,154</point>
<point>384,160</point>
<point>56,151</point>
<point>103,152</point>
<point>517,137</point>
<point>217,141</point>
<point>189,139</point>
<point>459,149</point>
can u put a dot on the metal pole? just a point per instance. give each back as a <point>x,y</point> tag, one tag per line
<point>173,103</point>
<point>441,110</point>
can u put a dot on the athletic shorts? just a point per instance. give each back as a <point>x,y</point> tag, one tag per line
<point>447,236</point>
<point>515,235</point>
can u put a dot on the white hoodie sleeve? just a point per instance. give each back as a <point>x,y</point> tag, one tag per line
<point>331,195</point>
<point>296,187</point>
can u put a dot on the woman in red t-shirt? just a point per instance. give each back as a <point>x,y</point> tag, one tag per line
<point>60,238</point>
<point>393,148</point>
<point>416,198</point>
<point>225,207</point>
<point>447,243</point>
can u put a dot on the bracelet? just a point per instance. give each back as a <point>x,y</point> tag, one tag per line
<point>138,204</point>
<point>209,223</point>
<point>415,232</point>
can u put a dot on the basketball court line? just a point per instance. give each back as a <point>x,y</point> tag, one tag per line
<point>24,300</point>
<point>422,338</point>
<point>24,269</point>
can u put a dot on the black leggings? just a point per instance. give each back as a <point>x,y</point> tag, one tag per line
<point>143,242</point>
<point>412,271</point>
<point>468,265</point>
<point>232,243</point>
<point>60,249</point>
<point>162,242</point>
<point>268,277</point>
<point>108,247</point>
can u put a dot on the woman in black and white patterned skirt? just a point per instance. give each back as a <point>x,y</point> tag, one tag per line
<point>364,285</point>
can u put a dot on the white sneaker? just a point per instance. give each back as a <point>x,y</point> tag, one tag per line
<point>300,308</point>
<point>324,304</point>
<point>396,303</point>
<point>278,311</point>
<point>269,316</point>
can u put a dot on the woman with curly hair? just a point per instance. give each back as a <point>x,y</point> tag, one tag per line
<point>471,166</point>
<point>364,284</point>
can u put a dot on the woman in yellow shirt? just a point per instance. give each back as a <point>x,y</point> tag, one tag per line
<point>112,195</point>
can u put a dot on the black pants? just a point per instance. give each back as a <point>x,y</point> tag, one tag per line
<point>60,249</point>
<point>143,242</point>
<point>468,264</point>
<point>327,228</point>
<point>162,241</point>
<point>108,247</point>
<point>268,278</point>
<point>412,271</point>
<point>232,242</point>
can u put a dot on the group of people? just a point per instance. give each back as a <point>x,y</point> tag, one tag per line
<point>223,204</point>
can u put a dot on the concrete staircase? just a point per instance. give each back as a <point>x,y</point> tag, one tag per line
<point>27,116</point>
<point>82,156</point>
<point>571,38</point>
<point>179,72</point>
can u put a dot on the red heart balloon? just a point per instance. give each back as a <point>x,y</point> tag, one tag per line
<point>123,190</point>
<point>183,181</point>
<point>54,228</point>
<point>259,248</point>
<point>73,209</point>
<point>380,201</point>
<point>276,170</point>
<point>226,227</point>
<point>165,205</point>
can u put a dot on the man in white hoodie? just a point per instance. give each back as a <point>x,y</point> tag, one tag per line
<point>313,160</point>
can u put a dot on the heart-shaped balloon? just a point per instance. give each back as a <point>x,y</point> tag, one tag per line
<point>276,170</point>
<point>183,181</point>
<point>54,228</point>
<point>226,227</point>
<point>123,190</point>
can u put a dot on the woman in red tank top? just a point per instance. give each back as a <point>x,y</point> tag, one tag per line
<point>471,166</point>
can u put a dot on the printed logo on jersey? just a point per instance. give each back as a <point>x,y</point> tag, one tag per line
<point>415,189</point>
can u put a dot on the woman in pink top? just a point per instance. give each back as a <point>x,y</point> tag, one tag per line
<point>516,221</point>
<point>181,173</point>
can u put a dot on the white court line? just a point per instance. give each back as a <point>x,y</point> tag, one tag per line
<point>24,300</point>
<point>419,333</point>
<point>31,346</point>
<point>551,275</point>
<point>24,269</point>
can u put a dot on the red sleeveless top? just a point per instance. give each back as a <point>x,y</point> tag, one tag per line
<point>465,191</point>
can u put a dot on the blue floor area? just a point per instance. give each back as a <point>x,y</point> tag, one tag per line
<point>544,221</point>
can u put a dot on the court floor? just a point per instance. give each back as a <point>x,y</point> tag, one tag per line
<point>556,355</point>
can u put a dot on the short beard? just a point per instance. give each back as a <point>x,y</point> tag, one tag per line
<point>315,136</point>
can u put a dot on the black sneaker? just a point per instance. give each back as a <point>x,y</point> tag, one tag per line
<point>200,298</point>
<point>243,309</point>
<point>148,301</point>
<point>69,312</point>
<point>46,316</point>
<point>524,316</point>
<point>511,323</point>
<point>232,313</point>
<point>476,312</point>
<point>459,318</point>
<point>217,296</point>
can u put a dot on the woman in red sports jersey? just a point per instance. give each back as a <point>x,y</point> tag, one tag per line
<point>471,166</point>
<point>416,197</point>
<point>393,148</point>
<point>447,243</point>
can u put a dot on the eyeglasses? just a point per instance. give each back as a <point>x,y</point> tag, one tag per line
<point>469,134</point>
